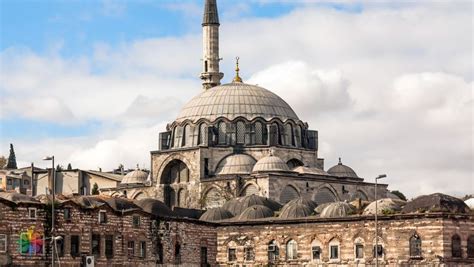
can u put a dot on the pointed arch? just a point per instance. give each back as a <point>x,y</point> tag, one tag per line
<point>212,198</point>
<point>288,193</point>
<point>249,189</point>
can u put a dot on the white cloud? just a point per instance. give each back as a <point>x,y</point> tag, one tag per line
<point>389,89</point>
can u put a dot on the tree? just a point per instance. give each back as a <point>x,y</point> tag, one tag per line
<point>3,162</point>
<point>69,167</point>
<point>12,159</point>
<point>59,168</point>
<point>95,189</point>
<point>399,194</point>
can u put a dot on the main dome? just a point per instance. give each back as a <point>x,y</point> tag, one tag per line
<point>234,100</point>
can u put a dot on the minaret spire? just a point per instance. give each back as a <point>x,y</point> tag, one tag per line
<point>210,75</point>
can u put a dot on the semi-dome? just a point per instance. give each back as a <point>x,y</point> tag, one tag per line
<point>295,210</point>
<point>136,176</point>
<point>384,205</point>
<point>234,100</point>
<point>337,209</point>
<point>255,212</point>
<point>216,214</point>
<point>309,170</point>
<point>235,164</point>
<point>342,170</point>
<point>270,164</point>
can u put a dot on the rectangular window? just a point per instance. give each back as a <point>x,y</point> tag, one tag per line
<point>177,253</point>
<point>249,254</point>
<point>32,213</point>
<point>67,214</point>
<point>136,221</point>
<point>231,255</point>
<point>359,251</point>
<point>109,246</point>
<point>102,216</point>
<point>95,245</point>
<point>379,250</point>
<point>60,246</point>
<point>75,251</point>
<point>26,182</point>
<point>316,252</point>
<point>143,249</point>
<point>206,167</point>
<point>131,249</point>
<point>203,256</point>
<point>3,243</point>
<point>334,252</point>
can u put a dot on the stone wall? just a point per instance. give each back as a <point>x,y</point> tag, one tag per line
<point>394,232</point>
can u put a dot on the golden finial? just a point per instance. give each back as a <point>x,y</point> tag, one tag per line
<point>237,78</point>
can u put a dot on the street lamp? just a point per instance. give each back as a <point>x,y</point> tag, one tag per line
<point>53,182</point>
<point>381,176</point>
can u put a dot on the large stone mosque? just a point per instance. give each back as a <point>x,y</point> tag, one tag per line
<point>238,139</point>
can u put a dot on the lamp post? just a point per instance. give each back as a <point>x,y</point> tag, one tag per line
<point>376,223</point>
<point>53,182</point>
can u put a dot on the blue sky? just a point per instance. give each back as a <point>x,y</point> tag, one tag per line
<point>94,82</point>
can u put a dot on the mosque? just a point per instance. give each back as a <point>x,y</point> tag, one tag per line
<point>238,139</point>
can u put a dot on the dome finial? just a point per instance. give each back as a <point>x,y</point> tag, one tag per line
<point>237,78</point>
<point>340,162</point>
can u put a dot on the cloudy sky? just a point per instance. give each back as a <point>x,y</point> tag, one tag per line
<point>388,85</point>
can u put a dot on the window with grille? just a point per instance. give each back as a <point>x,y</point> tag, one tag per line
<point>415,246</point>
<point>316,252</point>
<point>74,245</point>
<point>131,249</point>
<point>32,213</point>
<point>102,216</point>
<point>324,195</point>
<point>273,251</point>
<point>3,243</point>
<point>240,134</point>
<point>202,134</point>
<point>290,141</point>
<point>222,131</point>
<point>334,252</point>
<point>231,254</point>
<point>95,245</point>
<point>109,246</point>
<point>359,251</point>
<point>143,249</point>
<point>291,250</point>
<point>249,254</point>
<point>136,221</point>
<point>258,137</point>
<point>456,246</point>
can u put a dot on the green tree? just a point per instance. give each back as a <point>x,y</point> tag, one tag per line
<point>399,194</point>
<point>69,167</point>
<point>95,189</point>
<point>3,162</point>
<point>12,159</point>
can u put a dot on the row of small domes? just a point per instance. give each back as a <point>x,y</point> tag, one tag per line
<point>245,164</point>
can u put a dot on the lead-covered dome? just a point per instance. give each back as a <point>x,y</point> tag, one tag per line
<point>342,170</point>
<point>234,100</point>
<point>270,164</point>
<point>135,177</point>
<point>235,164</point>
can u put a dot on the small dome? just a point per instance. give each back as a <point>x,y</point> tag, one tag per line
<point>436,202</point>
<point>154,206</point>
<point>255,212</point>
<point>216,214</point>
<point>237,205</point>
<point>321,207</point>
<point>337,209</point>
<point>135,177</point>
<point>309,170</point>
<point>236,164</point>
<point>384,206</point>
<point>342,170</point>
<point>470,203</point>
<point>270,164</point>
<point>295,210</point>
<point>234,100</point>
<point>305,201</point>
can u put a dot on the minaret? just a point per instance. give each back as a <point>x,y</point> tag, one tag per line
<point>210,74</point>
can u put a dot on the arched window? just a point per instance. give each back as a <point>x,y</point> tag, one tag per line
<point>187,136</point>
<point>202,134</point>
<point>178,135</point>
<point>415,246</point>
<point>169,196</point>
<point>470,246</point>
<point>334,249</point>
<point>316,250</point>
<point>273,251</point>
<point>275,138</point>
<point>258,133</point>
<point>291,250</point>
<point>298,136</point>
<point>249,190</point>
<point>288,193</point>
<point>231,252</point>
<point>213,199</point>
<point>181,198</point>
<point>222,131</point>
<point>289,135</point>
<point>175,172</point>
<point>293,163</point>
<point>359,195</point>
<point>240,134</point>
<point>324,195</point>
<point>456,246</point>
<point>379,248</point>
